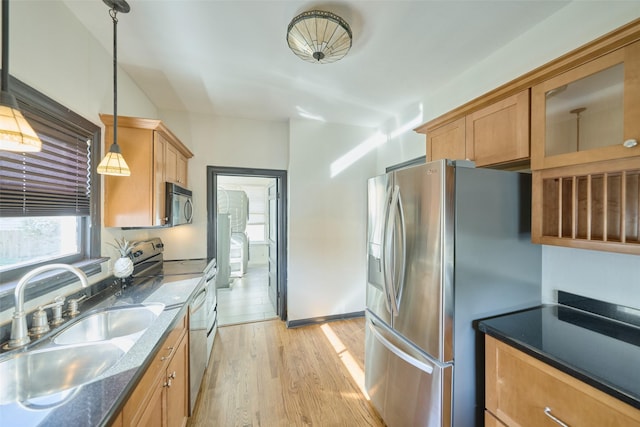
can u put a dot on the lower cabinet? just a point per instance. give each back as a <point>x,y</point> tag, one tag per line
<point>161,398</point>
<point>523,391</point>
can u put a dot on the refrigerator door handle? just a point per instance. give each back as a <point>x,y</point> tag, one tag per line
<point>403,235</point>
<point>389,250</point>
<point>385,257</point>
<point>423,366</point>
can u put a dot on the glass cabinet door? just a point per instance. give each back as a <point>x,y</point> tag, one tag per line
<point>589,113</point>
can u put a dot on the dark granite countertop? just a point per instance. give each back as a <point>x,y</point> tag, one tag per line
<point>98,402</point>
<point>602,352</point>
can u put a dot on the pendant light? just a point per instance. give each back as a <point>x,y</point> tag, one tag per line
<point>15,132</point>
<point>113,163</point>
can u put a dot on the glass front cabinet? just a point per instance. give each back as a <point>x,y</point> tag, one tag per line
<point>589,113</point>
<point>585,155</point>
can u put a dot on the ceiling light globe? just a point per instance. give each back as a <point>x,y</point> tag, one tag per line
<point>319,37</point>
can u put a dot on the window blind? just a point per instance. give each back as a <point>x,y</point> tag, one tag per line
<point>53,182</point>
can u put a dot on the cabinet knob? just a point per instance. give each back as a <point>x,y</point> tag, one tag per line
<point>630,143</point>
<point>167,383</point>
<point>173,375</point>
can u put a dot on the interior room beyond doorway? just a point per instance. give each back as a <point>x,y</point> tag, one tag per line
<point>243,230</point>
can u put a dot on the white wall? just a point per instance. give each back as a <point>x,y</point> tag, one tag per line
<point>327,220</point>
<point>605,276</point>
<point>218,141</point>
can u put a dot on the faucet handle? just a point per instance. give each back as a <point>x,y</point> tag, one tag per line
<point>40,324</point>
<point>56,308</point>
<point>73,305</point>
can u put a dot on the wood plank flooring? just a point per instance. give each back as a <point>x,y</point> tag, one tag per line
<point>263,374</point>
<point>247,298</point>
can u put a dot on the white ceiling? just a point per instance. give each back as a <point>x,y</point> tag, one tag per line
<point>230,58</point>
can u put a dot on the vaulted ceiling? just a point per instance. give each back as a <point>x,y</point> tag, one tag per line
<point>230,58</point>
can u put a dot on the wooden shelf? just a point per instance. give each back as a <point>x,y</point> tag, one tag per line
<point>582,208</point>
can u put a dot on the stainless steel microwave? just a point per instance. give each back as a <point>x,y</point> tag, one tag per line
<point>179,204</point>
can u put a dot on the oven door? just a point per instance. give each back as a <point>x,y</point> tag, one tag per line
<point>198,329</point>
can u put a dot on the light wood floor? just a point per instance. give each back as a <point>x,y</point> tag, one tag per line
<point>263,374</point>
<point>247,298</point>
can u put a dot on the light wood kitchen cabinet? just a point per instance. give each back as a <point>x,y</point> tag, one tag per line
<point>161,398</point>
<point>155,156</point>
<point>176,166</point>
<point>494,135</point>
<point>591,206</point>
<point>524,391</point>
<point>499,133</point>
<point>447,141</point>
<point>589,113</point>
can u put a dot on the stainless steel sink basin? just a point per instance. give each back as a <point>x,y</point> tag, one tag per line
<point>111,323</point>
<point>32,375</point>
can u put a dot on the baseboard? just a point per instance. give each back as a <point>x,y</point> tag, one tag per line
<point>323,319</point>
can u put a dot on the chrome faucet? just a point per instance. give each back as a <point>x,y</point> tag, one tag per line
<point>19,335</point>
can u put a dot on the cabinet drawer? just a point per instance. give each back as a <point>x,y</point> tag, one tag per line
<point>520,389</point>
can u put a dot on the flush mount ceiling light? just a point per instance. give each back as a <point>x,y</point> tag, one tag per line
<point>113,163</point>
<point>319,37</point>
<point>15,132</point>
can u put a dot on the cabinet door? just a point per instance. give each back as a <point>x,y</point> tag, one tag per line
<point>128,201</point>
<point>499,133</point>
<point>160,171</point>
<point>177,386</point>
<point>152,415</point>
<point>523,391</point>
<point>589,113</point>
<point>447,142</point>
<point>171,172</point>
<point>181,166</point>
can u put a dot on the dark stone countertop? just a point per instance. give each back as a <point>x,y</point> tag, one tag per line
<point>602,352</point>
<point>98,402</point>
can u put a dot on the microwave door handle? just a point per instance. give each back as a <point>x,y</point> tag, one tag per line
<point>385,256</point>
<point>188,210</point>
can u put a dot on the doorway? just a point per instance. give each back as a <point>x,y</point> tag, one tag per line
<point>246,233</point>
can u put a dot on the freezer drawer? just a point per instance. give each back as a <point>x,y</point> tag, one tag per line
<point>405,386</point>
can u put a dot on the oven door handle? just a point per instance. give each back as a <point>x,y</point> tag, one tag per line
<point>199,300</point>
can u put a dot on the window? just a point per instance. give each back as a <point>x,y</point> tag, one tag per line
<point>49,201</point>
<point>256,223</point>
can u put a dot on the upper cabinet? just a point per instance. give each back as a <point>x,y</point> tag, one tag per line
<point>576,122</point>
<point>494,135</point>
<point>499,133</point>
<point>447,141</point>
<point>155,156</point>
<point>589,113</point>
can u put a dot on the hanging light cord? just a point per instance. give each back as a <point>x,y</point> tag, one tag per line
<point>113,13</point>
<point>5,45</point>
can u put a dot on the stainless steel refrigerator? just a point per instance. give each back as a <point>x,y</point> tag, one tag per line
<point>447,244</point>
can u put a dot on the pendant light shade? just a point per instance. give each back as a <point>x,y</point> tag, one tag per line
<point>113,163</point>
<point>15,132</point>
<point>319,37</point>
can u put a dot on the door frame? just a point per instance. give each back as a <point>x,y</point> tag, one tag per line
<point>212,216</point>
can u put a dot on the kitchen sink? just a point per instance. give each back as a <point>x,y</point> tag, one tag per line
<point>114,322</point>
<point>30,376</point>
